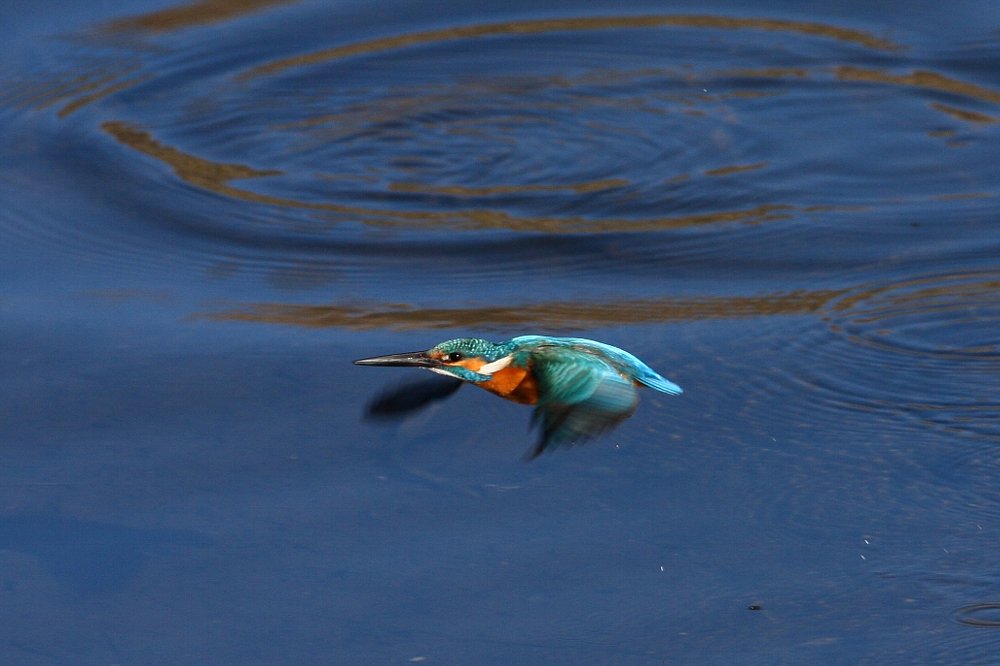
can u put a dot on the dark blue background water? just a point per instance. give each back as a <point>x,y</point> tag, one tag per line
<point>209,210</point>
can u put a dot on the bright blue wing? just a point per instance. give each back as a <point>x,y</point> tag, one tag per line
<point>624,361</point>
<point>581,396</point>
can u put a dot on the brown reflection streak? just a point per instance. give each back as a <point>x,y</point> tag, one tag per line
<point>557,314</point>
<point>957,298</point>
<point>80,90</point>
<point>749,94</point>
<point>83,101</point>
<point>768,73</point>
<point>961,196</point>
<point>574,24</point>
<point>44,98</point>
<point>212,176</point>
<point>736,168</point>
<point>459,191</point>
<point>215,177</point>
<point>920,79</point>
<point>194,14</point>
<point>962,114</point>
<point>921,290</point>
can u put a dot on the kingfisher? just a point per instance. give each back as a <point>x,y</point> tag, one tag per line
<point>579,387</point>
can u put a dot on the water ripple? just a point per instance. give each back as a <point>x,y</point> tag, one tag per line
<point>255,156</point>
<point>566,315</point>
<point>898,347</point>
<point>980,615</point>
<point>906,373</point>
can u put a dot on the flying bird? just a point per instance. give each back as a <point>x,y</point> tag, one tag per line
<point>580,388</point>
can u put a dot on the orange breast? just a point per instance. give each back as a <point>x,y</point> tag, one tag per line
<point>515,384</point>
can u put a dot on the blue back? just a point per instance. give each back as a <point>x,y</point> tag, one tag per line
<point>621,359</point>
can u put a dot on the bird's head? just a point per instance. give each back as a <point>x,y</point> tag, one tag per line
<point>469,359</point>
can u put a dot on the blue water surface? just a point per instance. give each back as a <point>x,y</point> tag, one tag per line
<point>208,210</point>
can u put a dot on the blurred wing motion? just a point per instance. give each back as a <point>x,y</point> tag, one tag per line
<point>581,395</point>
<point>625,361</point>
<point>411,396</point>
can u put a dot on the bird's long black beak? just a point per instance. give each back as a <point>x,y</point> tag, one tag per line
<point>409,359</point>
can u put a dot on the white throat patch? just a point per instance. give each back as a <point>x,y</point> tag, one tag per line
<point>496,365</point>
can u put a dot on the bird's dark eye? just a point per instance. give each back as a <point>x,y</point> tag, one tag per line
<point>454,357</point>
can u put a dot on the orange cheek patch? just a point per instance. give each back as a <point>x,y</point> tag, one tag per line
<point>473,364</point>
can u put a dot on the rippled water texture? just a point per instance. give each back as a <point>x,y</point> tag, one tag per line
<point>209,209</point>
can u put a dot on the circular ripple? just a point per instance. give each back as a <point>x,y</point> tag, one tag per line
<point>263,149</point>
<point>926,350</point>
<point>947,318</point>
<point>979,615</point>
<point>915,361</point>
<point>294,168</point>
<point>893,392</point>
